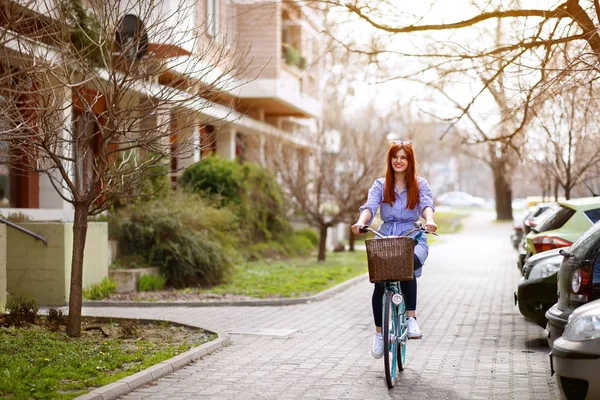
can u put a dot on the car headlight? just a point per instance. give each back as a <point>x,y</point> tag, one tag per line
<point>586,327</point>
<point>543,270</point>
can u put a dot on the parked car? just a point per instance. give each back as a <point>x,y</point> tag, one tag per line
<point>563,226</point>
<point>527,220</point>
<point>529,224</point>
<point>578,280</point>
<point>575,357</point>
<point>459,199</point>
<point>536,292</point>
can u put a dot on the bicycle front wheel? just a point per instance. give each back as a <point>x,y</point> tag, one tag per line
<point>390,339</point>
<point>402,335</point>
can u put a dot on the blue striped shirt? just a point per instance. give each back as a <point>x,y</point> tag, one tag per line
<point>397,219</point>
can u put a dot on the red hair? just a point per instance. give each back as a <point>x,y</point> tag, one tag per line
<point>410,176</point>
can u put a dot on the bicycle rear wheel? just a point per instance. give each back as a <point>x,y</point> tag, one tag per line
<point>390,339</point>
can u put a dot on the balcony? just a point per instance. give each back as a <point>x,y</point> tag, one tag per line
<point>282,96</point>
<point>280,47</point>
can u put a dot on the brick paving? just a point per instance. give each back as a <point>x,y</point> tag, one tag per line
<point>476,343</point>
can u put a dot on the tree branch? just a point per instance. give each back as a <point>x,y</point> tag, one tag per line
<point>558,12</point>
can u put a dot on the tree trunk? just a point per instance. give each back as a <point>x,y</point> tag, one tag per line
<point>351,240</point>
<point>322,242</point>
<point>556,186</point>
<point>503,193</point>
<point>75,298</point>
<point>567,192</point>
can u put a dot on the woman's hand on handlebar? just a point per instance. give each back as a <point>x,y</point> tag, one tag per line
<point>431,226</point>
<point>356,228</point>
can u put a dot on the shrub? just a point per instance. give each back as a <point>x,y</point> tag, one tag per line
<point>191,242</point>
<point>251,191</point>
<point>130,262</point>
<point>99,291</point>
<point>310,234</point>
<point>153,183</point>
<point>263,205</point>
<point>151,283</point>
<point>269,250</point>
<point>55,319</point>
<point>298,245</point>
<point>20,310</point>
<point>215,178</point>
<point>294,245</point>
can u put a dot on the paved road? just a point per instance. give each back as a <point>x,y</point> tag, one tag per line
<point>476,344</point>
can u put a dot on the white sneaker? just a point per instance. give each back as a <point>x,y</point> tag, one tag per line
<point>377,348</point>
<point>412,328</point>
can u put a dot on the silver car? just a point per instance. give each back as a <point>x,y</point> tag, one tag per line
<point>575,357</point>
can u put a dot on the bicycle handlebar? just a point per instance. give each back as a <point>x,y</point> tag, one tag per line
<point>418,227</point>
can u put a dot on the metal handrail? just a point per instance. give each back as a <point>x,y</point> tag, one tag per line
<point>20,228</point>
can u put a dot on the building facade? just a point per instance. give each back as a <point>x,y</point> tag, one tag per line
<point>275,101</point>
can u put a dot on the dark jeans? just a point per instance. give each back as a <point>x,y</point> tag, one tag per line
<point>409,290</point>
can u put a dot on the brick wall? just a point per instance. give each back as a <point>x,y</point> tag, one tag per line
<point>259,26</point>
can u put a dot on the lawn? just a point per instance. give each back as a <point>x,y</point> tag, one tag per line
<point>42,364</point>
<point>449,221</point>
<point>291,278</point>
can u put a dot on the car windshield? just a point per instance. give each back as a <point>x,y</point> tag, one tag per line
<point>588,244</point>
<point>556,219</point>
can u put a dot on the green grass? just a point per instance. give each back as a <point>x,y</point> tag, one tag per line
<point>36,363</point>
<point>292,278</point>
<point>448,222</point>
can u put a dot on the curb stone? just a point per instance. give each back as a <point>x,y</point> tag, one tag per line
<point>248,303</point>
<point>139,379</point>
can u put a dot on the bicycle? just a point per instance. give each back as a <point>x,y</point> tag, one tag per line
<point>391,261</point>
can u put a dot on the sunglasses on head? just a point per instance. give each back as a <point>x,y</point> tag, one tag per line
<point>402,142</point>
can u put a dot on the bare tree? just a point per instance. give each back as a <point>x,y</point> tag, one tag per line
<point>567,128</point>
<point>510,68</point>
<point>353,156</point>
<point>96,97</point>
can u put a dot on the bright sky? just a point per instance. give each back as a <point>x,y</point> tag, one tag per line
<point>434,12</point>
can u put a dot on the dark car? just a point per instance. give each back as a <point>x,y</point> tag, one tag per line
<point>536,292</point>
<point>578,280</point>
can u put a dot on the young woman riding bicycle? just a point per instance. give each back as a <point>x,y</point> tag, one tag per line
<point>403,197</point>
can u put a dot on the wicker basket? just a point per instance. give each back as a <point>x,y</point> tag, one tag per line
<point>390,259</point>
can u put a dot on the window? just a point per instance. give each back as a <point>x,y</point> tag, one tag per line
<point>587,245</point>
<point>212,17</point>
<point>208,141</point>
<point>556,220</point>
<point>593,215</point>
